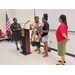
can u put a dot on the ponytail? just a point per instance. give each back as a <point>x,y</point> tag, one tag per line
<point>65,24</point>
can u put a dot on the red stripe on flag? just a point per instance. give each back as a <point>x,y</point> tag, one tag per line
<point>7,23</point>
<point>8,26</point>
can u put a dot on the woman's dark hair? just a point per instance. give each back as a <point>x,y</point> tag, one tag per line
<point>36,17</point>
<point>14,19</point>
<point>63,17</point>
<point>45,16</point>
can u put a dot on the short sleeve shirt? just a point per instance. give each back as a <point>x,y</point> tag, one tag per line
<point>61,29</point>
<point>15,26</point>
<point>45,27</point>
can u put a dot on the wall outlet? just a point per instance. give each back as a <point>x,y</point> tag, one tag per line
<point>50,41</point>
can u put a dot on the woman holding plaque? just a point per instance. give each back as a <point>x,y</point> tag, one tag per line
<point>35,35</point>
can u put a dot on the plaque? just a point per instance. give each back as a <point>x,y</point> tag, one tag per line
<point>22,33</point>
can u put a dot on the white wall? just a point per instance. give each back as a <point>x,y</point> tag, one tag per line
<point>23,15</point>
<point>70,48</point>
<point>54,23</point>
<point>70,44</point>
<point>53,15</point>
<point>26,14</point>
<point>3,18</point>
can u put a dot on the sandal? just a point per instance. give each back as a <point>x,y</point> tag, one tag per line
<point>60,61</point>
<point>46,56</point>
<point>43,53</point>
<point>58,64</point>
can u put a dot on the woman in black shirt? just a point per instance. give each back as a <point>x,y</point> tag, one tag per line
<point>45,34</point>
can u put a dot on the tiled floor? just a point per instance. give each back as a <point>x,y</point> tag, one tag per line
<point>10,56</point>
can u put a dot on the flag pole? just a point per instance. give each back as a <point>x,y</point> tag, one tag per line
<point>6,12</point>
<point>5,22</point>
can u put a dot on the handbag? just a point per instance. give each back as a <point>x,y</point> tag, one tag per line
<point>33,43</point>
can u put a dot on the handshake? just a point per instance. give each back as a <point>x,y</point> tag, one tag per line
<point>39,29</point>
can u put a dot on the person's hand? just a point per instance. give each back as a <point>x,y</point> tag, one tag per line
<point>33,24</point>
<point>40,25</point>
<point>21,28</point>
<point>40,29</point>
<point>18,28</point>
<point>68,38</point>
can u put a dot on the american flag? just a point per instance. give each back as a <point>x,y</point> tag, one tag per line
<point>7,24</point>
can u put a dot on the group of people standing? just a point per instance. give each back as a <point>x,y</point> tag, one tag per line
<point>40,33</point>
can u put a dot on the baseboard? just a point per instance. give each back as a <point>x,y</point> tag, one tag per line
<point>8,39</point>
<point>69,54</point>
